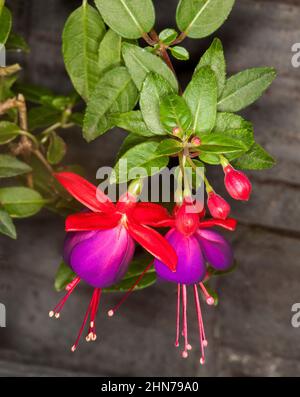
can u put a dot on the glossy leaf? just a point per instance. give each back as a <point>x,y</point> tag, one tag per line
<point>15,42</point>
<point>129,142</point>
<point>180,53</point>
<point>168,147</point>
<point>110,51</point>
<point>132,122</point>
<point>167,36</point>
<point>141,62</point>
<point>129,18</point>
<point>7,226</point>
<point>214,57</point>
<point>5,25</point>
<point>220,144</point>
<point>141,160</point>
<point>11,166</point>
<point>200,18</point>
<point>210,158</point>
<point>43,116</point>
<point>21,202</point>
<point>155,88</point>
<point>244,88</point>
<point>175,113</point>
<point>201,96</point>
<point>56,149</point>
<point>114,93</point>
<point>255,159</point>
<point>63,277</point>
<point>8,132</point>
<point>82,35</point>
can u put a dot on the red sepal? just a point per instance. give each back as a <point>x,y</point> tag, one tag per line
<point>229,224</point>
<point>91,221</point>
<point>84,192</point>
<point>151,214</point>
<point>154,243</point>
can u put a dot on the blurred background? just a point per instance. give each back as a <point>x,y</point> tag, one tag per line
<point>250,332</point>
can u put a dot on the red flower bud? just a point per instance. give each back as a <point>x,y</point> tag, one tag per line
<point>218,207</point>
<point>237,183</point>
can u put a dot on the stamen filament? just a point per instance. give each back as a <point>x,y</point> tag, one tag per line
<point>178,316</point>
<point>202,339</point>
<point>56,311</point>
<point>128,293</point>
<point>209,299</point>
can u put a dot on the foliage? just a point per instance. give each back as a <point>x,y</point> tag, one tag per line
<point>122,83</point>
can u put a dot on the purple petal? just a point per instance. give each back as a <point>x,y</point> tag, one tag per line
<point>191,265</point>
<point>100,258</point>
<point>216,250</point>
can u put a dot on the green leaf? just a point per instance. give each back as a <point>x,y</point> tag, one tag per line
<point>136,268</point>
<point>21,202</point>
<point>43,116</point>
<point>214,57</point>
<point>5,87</point>
<point>210,158</point>
<point>155,88</point>
<point>15,42</point>
<point>129,142</point>
<point>5,25</point>
<point>141,160</point>
<point>56,149</point>
<point>33,93</point>
<point>141,62</point>
<point>255,159</point>
<point>200,18</point>
<point>167,36</point>
<point>82,35</point>
<point>63,277</point>
<point>8,132</point>
<point>180,53</point>
<point>220,144</point>
<point>2,2</point>
<point>129,18</point>
<point>235,127</point>
<point>7,226</point>
<point>244,88</point>
<point>132,122</point>
<point>174,112</point>
<point>168,147</point>
<point>230,121</point>
<point>114,93</point>
<point>11,166</point>
<point>201,96</point>
<point>110,51</point>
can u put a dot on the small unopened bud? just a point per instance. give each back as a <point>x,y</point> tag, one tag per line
<point>237,183</point>
<point>176,131</point>
<point>196,141</point>
<point>218,207</point>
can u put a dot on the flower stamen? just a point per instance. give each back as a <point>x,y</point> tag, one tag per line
<point>58,308</point>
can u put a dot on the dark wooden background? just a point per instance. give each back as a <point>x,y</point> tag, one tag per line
<point>250,332</point>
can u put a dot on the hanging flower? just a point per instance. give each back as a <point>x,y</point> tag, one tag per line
<point>195,246</point>
<point>101,241</point>
<point>237,183</point>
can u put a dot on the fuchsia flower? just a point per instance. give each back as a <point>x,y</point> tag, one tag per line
<point>101,241</point>
<point>237,183</point>
<point>195,246</point>
<point>218,207</point>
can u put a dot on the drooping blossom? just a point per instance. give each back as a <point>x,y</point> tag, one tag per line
<point>196,246</point>
<point>100,242</point>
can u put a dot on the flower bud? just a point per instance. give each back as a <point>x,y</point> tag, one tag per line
<point>218,207</point>
<point>237,183</point>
